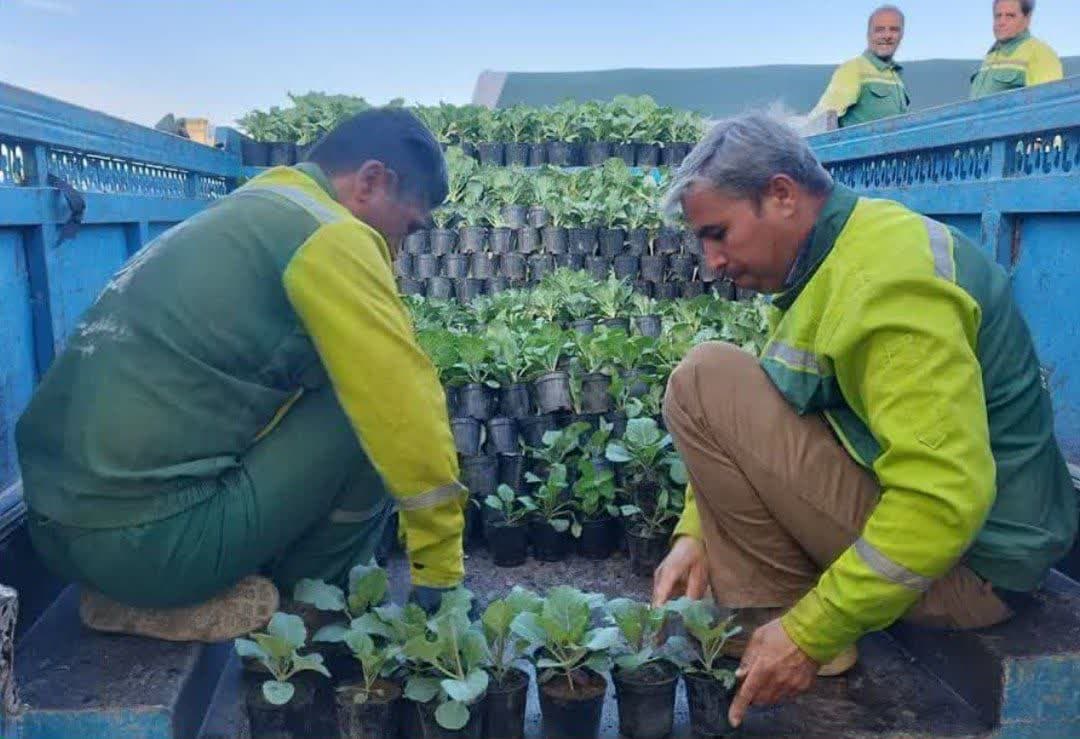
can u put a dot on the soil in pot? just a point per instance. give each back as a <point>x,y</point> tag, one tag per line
<point>491,153</point>
<point>612,242</point>
<point>572,714</point>
<point>548,544</point>
<point>514,401</point>
<point>583,325</point>
<point>598,267</point>
<point>528,240</point>
<point>552,392</point>
<point>425,266</point>
<point>418,242</point>
<point>440,288</point>
<point>516,154</point>
<point>709,702</point>
<point>456,266</point>
<point>647,155</point>
<point>373,718</point>
<point>410,286</point>
<point>502,240</point>
<point>443,241</point>
<point>598,538</point>
<point>473,239</point>
<point>484,265</point>
<point>653,267</point>
<point>466,436</point>
<point>650,325</point>
<point>561,154</point>
<point>646,552</point>
<point>597,152</point>
<point>505,708</point>
<point>555,238</point>
<point>512,470</point>
<point>646,700</point>
<point>533,429</point>
<point>595,393</point>
<point>626,151</point>
<point>537,154</point>
<point>508,545</point>
<point>503,436</point>
<point>480,474</point>
<point>419,722</point>
<point>626,266</point>
<point>582,241</point>
<point>474,401</point>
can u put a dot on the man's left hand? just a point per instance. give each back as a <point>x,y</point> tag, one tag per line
<point>773,669</point>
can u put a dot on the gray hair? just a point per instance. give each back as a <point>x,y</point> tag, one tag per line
<point>741,155</point>
<point>890,9</point>
<point>1027,7</point>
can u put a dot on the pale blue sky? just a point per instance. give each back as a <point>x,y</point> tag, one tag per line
<point>141,58</point>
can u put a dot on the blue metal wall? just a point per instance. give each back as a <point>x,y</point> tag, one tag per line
<point>1005,170</point>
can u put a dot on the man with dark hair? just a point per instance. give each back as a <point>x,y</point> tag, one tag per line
<point>869,86</point>
<point>246,398</point>
<point>1017,59</point>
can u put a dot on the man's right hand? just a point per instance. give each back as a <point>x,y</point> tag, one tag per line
<point>684,571</point>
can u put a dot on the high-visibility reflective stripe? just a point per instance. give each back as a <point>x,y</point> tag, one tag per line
<point>341,515</point>
<point>318,210</point>
<point>797,358</point>
<point>432,498</point>
<point>940,243</point>
<point>890,570</point>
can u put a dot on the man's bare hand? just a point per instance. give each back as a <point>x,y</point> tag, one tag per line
<point>684,571</point>
<point>773,670</point>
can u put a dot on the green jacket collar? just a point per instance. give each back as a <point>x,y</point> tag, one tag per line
<point>314,171</point>
<point>1010,45</point>
<point>880,64</point>
<point>830,222</point>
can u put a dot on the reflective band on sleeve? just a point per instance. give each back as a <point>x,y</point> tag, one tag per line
<point>797,358</point>
<point>340,515</point>
<point>888,569</point>
<point>432,498</point>
<point>297,196</point>
<point>940,243</point>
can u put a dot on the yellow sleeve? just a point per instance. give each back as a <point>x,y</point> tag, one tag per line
<point>689,522</point>
<point>1044,66</point>
<point>907,365</point>
<point>843,90</point>
<point>341,286</point>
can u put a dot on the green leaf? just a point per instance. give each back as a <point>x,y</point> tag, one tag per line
<point>599,662</point>
<point>330,633</point>
<point>420,649</point>
<point>289,628</point>
<point>602,639</point>
<point>367,587</point>
<point>359,642</point>
<point>278,693</point>
<point>312,662</point>
<point>616,452</point>
<point>527,625</point>
<point>248,648</point>
<point>421,689</point>
<point>469,689</point>
<point>575,530</point>
<point>559,524</point>
<point>322,595</point>
<point>452,715</point>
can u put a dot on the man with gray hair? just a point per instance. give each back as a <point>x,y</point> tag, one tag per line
<point>890,454</point>
<point>869,86</point>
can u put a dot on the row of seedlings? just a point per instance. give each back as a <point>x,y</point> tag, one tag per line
<point>374,670</point>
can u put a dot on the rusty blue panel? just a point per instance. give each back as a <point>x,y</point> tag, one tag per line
<point>84,265</point>
<point>16,338</point>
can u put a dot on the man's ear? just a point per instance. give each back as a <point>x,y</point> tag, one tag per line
<point>784,192</point>
<point>367,179</point>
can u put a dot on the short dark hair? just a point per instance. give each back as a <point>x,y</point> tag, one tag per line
<point>1026,6</point>
<point>396,138</point>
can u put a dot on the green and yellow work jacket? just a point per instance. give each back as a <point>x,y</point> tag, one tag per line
<point>1022,61</point>
<point>864,89</point>
<point>904,335</point>
<point>155,391</point>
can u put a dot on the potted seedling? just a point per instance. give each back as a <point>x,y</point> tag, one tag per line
<point>475,364</point>
<point>561,131</point>
<point>645,678</point>
<point>551,384</point>
<point>647,318</point>
<point>593,360</point>
<point>366,708</point>
<point>509,686</point>
<point>570,659</point>
<point>368,586</point>
<point>511,369</point>
<point>709,674</point>
<point>550,527</point>
<point>594,503</point>
<point>507,529</point>
<point>613,298</point>
<point>278,705</point>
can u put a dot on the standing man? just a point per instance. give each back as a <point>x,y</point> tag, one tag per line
<point>869,86</point>
<point>1017,59</point>
<point>890,455</point>
<point>246,398</point>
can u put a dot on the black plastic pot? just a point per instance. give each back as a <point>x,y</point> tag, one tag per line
<point>626,151</point>
<point>528,240</point>
<point>693,289</point>
<point>540,266</point>
<point>645,288</point>
<point>512,470</point>
<point>484,265</point>
<point>626,266</point>
<point>442,241</point>
<point>646,552</point>
<point>537,154</point>
<point>539,216</point>
<point>673,153</point>
<point>282,153</point>
<point>552,391</point>
<point>505,708</point>
<point>618,421</point>
<point>456,266</point>
<point>425,266</point>
<point>647,155</point>
<point>508,545</point>
<point>592,420</point>
<point>410,286</point>
<point>513,266</point>
<point>420,723</point>
<point>653,267</point>
<point>503,240</point>
<point>515,216</point>
<point>374,718</point>
<point>691,243</point>
<point>570,261</point>
<point>667,290</point>
<point>467,289</point>
<point>637,241</point>
<point>295,718</point>
<point>403,265</point>
<point>650,325</point>
<point>681,267</point>
<point>561,154</point>
<point>451,394</point>
<point>497,285</point>
<point>572,715</point>
<point>668,241</point>
<point>468,148</point>
<point>636,386</point>
<point>254,153</point>
<point>474,400</point>
<point>418,242</point>
<point>555,238</point>
<point>582,240</point>
<point>612,242</point>
<point>516,154</point>
<point>621,323</point>
<point>466,435</point>
<point>514,401</point>
<point>503,436</point>
<point>583,325</point>
<point>709,702</point>
<point>646,700</point>
<point>595,393</point>
<point>597,152</point>
<point>491,153</point>
<point>598,538</point>
<point>473,238</point>
<point>598,267</point>
<point>533,429</point>
<point>548,544</point>
<point>480,474</point>
<point>744,293</point>
<point>440,288</point>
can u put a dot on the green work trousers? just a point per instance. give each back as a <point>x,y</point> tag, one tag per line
<point>304,502</point>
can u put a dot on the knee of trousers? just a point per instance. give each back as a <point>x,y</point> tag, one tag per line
<point>713,363</point>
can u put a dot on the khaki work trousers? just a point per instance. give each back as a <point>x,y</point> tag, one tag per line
<point>778,496</point>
